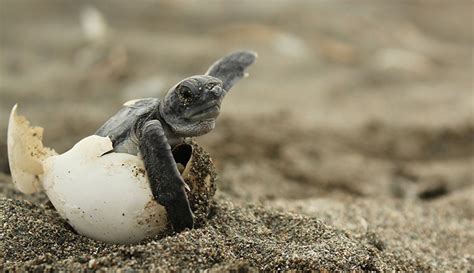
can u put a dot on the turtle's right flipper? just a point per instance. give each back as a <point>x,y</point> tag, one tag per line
<point>231,68</point>
<point>166,183</point>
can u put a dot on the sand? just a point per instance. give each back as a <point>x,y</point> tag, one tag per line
<point>349,147</point>
<point>399,236</point>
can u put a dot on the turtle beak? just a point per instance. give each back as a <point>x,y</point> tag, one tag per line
<point>209,110</point>
<point>217,92</point>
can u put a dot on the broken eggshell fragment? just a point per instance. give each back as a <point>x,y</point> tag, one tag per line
<point>25,153</point>
<point>104,196</point>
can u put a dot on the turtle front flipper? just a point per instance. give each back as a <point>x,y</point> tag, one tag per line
<point>231,68</point>
<point>166,183</point>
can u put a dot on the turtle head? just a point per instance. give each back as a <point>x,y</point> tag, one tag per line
<point>192,106</point>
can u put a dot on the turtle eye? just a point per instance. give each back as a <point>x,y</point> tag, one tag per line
<point>185,94</point>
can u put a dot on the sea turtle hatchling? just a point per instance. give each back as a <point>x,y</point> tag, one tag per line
<point>152,128</point>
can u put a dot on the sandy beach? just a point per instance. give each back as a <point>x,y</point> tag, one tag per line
<point>350,146</point>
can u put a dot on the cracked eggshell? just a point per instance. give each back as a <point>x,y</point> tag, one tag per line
<point>104,197</point>
<point>25,153</point>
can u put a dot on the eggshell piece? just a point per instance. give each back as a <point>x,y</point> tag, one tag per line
<point>101,194</point>
<point>25,153</point>
<point>106,197</point>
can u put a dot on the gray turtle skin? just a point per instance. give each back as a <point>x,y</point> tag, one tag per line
<point>152,127</point>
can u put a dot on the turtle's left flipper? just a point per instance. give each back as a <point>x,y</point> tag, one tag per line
<point>166,183</point>
<point>231,68</point>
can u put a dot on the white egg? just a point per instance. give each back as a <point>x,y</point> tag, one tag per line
<point>105,197</point>
<point>108,197</point>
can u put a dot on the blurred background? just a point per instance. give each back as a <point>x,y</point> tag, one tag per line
<point>348,99</point>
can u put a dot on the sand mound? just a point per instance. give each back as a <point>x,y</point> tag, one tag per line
<point>34,237</point>
<point>236,237</point>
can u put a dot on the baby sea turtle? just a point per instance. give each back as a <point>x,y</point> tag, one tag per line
<point>152,128</point>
